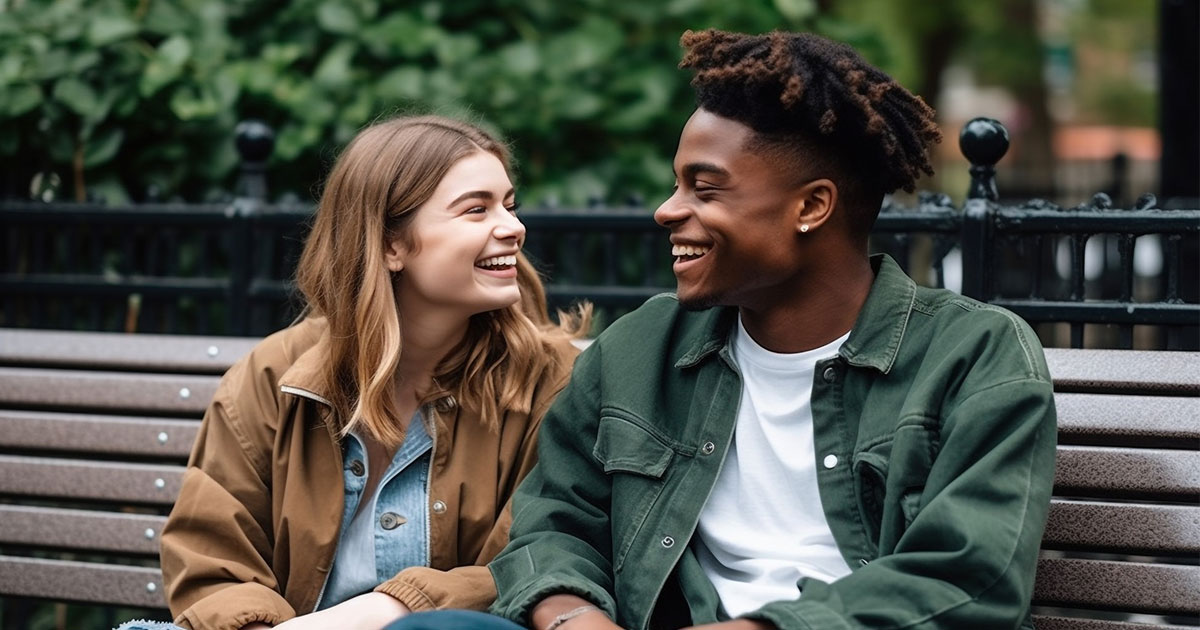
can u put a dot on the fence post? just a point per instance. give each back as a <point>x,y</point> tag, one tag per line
<point>254,141</point>
<point>983,141</point>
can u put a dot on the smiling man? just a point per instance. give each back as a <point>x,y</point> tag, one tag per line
<point>800,437</point>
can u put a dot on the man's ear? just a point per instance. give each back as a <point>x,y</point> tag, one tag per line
<point>394,253</point>
<point>815,203</point>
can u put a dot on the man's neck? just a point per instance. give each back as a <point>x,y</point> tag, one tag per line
<point>822,306</point>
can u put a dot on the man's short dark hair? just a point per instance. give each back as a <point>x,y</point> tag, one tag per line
<point>813,99</point>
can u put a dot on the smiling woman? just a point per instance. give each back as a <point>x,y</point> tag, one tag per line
<point>357,465</point>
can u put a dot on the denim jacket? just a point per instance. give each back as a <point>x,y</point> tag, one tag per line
<point>934,430</point>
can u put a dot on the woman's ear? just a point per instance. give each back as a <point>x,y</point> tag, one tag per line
<point>815,202</point>
<point>394,254</point>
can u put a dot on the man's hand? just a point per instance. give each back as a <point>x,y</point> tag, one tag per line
<point>546,611</point>
<point>370,611</point>
<point>257,625</point>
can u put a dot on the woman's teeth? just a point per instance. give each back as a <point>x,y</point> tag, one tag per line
<point>498,261</point>
<point>688,250</point>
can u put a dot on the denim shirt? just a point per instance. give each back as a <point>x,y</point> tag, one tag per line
<point>392,531</point>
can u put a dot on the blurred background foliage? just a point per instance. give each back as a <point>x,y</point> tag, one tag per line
<point>133,99</point>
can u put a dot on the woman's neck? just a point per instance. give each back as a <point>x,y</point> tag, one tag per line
<point>428,338</point>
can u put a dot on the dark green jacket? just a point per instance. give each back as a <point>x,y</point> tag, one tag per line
<point>938,409</point>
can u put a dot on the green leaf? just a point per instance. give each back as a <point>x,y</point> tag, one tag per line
<point>520,59</point>
<point>10,68</point>
<point>189,102</point>
<point>106,29</point>
<point>175,50</point>
<point>402,84</point>
<point>334,70</point>
<point>53,64</point>
<point>103,147</point>
<point>84,61</point>
<point>76,95</point>
<point>23,98</point>
<point>335,17</point>
<point>796,10</point>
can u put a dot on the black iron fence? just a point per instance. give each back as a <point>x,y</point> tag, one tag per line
<point>1088,275</point>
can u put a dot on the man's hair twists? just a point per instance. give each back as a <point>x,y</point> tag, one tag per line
<point>798,83</point>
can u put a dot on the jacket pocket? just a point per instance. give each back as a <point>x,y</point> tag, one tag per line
<point>624,447</point>
<point>637,462</point>
<point>890,479</point>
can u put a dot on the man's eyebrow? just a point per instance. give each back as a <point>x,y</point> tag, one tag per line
<point>690,171</point>
<point>485,195</point>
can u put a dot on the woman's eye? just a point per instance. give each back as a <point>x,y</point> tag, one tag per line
<point>514,207</point>
<point>477,210</point>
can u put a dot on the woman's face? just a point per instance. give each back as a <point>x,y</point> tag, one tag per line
<point>465,242</point>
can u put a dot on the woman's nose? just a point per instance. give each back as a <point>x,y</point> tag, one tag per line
<point>509,226</point>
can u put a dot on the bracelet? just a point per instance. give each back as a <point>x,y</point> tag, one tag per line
<point>569,615</point>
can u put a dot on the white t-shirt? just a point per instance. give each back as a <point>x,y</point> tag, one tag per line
<point>763,527</point>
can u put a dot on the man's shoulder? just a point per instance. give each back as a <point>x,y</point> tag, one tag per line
<point>968,325</point>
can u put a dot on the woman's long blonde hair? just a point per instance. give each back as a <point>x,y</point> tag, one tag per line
<point>388,171</point>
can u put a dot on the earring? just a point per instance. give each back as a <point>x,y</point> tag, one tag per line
<point>804,227</point>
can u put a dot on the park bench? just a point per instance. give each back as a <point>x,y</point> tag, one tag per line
<point>95,429</point>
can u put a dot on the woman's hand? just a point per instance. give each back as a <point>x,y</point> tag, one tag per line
<point>370,611</point>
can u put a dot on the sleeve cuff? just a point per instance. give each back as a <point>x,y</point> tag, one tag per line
<point>234,606</point>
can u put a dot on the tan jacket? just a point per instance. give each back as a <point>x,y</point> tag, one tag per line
<point>253,532</point>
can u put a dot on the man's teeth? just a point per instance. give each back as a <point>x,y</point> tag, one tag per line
<point>498,261</point>
<point>688,250</point>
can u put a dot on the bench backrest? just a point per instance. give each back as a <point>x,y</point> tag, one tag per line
<point>95,430</point>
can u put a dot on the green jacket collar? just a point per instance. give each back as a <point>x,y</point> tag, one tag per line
<point>874,342</point>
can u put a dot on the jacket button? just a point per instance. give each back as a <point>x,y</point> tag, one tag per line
<point>357,468</point>
<point>830,375</point>
<point>391,520</point>
<point>439,507</point>
<point>668,542</point>
<point>830,461</point>
<point>708,448</point>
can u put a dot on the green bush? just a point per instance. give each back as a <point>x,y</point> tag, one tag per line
<point>112,98</point>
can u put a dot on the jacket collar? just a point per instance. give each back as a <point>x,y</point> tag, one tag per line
<point>874,341</point>
<point>306,377</point>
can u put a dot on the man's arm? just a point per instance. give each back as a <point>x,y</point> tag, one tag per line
<point>560,541</point>
<point>968,558</point>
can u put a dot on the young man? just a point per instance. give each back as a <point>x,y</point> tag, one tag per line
<point>802,437</point>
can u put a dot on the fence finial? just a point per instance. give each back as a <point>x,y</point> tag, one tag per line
<point>254,141</point>
<point>983,141</point>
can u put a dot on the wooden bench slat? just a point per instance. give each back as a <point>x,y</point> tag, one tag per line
<point>1150,421</point>
<point>1110,472</point>
<point>1130,528</point>
<point>108,351</point>
<point>88,582</point>
<point>79,479</point>
<point>80,529</point>
<point>1050,622</point>
<point>114,391</point>
<point>94,433</point>
<point>1126,586</point>
<point>1137,372</point>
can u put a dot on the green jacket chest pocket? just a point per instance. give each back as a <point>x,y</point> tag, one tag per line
<point>636,462</point>
<point>889,479</point>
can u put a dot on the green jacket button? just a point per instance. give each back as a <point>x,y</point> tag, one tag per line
<point>668,542</point>
<point>830,375</point>
<point>708,448</point>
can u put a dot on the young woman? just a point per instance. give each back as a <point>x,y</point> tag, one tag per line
<point>358,465</point>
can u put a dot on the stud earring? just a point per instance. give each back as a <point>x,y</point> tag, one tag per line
<point>804,227</point>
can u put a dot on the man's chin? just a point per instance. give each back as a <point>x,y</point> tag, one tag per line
<point>696,301</point>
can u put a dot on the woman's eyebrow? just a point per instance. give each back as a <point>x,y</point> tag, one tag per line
<point>485,195</point>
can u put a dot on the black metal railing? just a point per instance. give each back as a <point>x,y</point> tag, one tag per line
<point>1079,274</point>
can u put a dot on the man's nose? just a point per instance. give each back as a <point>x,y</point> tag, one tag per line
<point>671,211</point>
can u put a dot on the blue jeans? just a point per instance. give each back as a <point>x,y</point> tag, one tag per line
<point>138,624</point>
<point>452,620</point>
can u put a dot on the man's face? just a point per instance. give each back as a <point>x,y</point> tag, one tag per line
<point>731,217</point>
